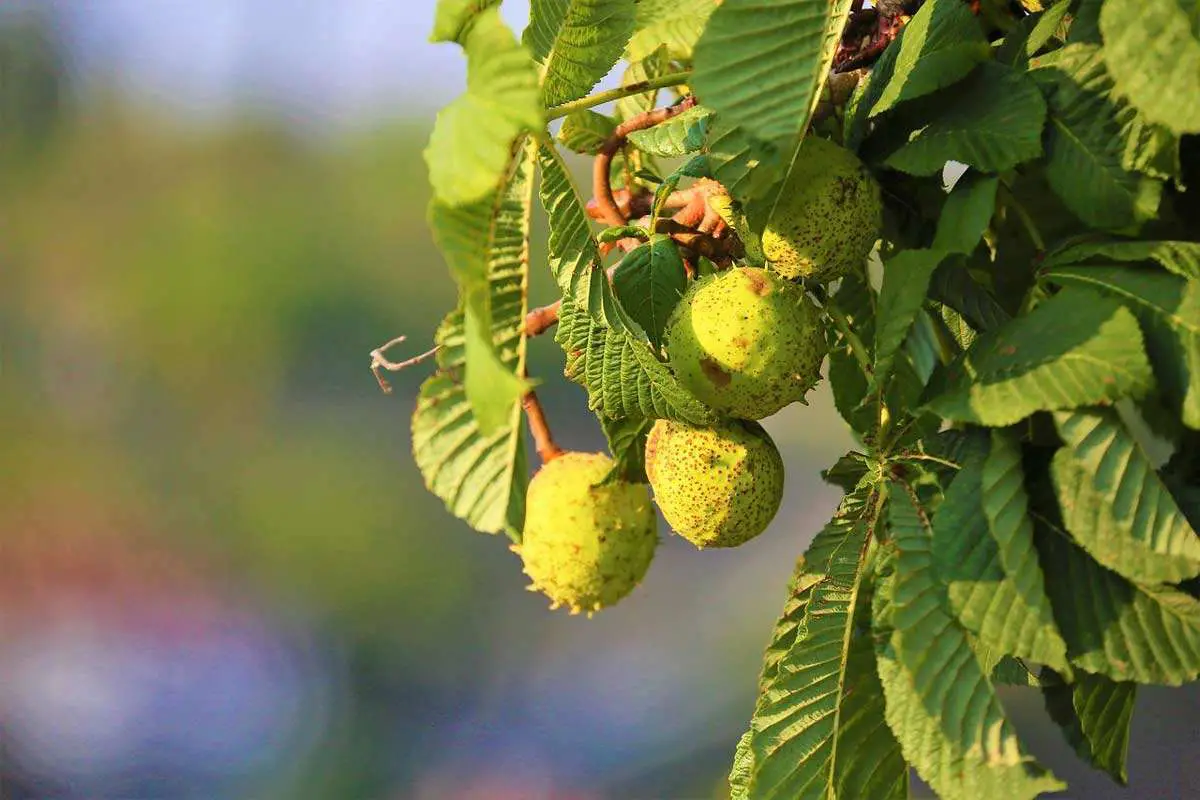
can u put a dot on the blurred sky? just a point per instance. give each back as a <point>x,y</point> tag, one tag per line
<point>334,62</point>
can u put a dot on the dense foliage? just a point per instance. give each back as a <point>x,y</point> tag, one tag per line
<point>1013,336</point>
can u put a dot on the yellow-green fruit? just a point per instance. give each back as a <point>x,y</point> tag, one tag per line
<point>716,487</point>
<point>746,342</point>
<point>828,217</point>
<point>586,545</point>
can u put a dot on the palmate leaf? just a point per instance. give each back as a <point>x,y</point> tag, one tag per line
<point>1168,308</point>
<point>576,42</point>
<point>454,17</point>
<point>1152,50</point>
<point>1032,34</point>
<point>607,351</point>
<point>993,123</point>
<point>761,114</point>
<point>1077,348</point>
<point>475,239</point>
<point>627,443</point>
<point>818,730</point>
<point>677,136</point>
<point>1182,258</point>
<point>478,470</point>
<point>649,282</point>
<point>905,281</point>
<point>1114,504</point>
<point>967,213</point>
<point>984,553</point>
<point>941,705</point>
<point>1122,630</point>
<point>674,23</point>
<point>473,136</point>
<point>1085,141</point>
<point>1094,713</point>
<point>953,286</point>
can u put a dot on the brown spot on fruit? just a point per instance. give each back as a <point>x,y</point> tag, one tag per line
<point>758,282</point>
<point>714,372</point>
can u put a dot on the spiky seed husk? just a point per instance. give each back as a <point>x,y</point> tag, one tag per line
<point>829,215</point>
<point>746,342</point>
<point>586,545</point>
<point>718,486</point>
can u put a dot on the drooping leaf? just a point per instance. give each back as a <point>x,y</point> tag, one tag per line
<point>627,443</point>
<point>818,730</point>
<point>762,63</point>
<point>1085,141</point>
<point>1182,258</point>
<point>1114,504</point>
<point>849,470</point>
<point>939,46</point>
<point>473,239</point>
<point>477,470</point>
<point>1168,308</point>
<point>993,123</point>
<point>674,23</point>
<point>454,17</point>
<point>967,213</point>
<point>473,137</point>
<point>905,281</point>
<point>1077,348</point>
<point>678,136</point>
<point>576,42</point>
<point>983,550</point>
<point>1122,630</point>
<point>585,131</point>
<point>940,703</point>
<point>649,282</point>
<point>1094,713</point>
<point>1152,49</point>
<point>607,351</point>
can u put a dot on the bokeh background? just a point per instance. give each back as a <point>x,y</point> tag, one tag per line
<point>220,575</point>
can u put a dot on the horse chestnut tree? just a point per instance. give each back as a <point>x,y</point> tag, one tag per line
<point>977,220</point>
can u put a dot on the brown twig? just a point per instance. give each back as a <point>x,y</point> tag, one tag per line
<point>380,362</point>
<point>543,439</point>
<point>540,320</point>
<point>606,206</point>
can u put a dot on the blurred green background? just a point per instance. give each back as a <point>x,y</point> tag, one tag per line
<point>222,576</point>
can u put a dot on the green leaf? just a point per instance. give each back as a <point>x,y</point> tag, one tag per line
<point>1077,348</point>
<point>1150,149</point>
<point>585,132</point>
<point>1094,713</point>
<point>473,137</point>
<point>454,17</point>
<point>475,239</point>
<point>607,351</point>
<point>1085,144</point>
<point>993,123</point>
<point>763,63</point>
<point>576,42</point>
<point>478,470</point>
<point>1114,504</point>
<point>1012,672</point>
<point>1168,308</point>
<point>818,729</point>
<point>1182,258</point>
<point>678,136</point>
<point>1122,630</point>
<point>627,443</point>
<point>655,64</point>
<point>905,281</point>
<point>1153,52</point>
<point>761,116</point>
<point>1032,34</point>
<point>677,24</point>
<point>953,285</point>
<point>649,282</point>
<point>940,703</point>
<point>967,213</point>
<point>1085,27</point>
<point>984,552</point>
<point>939,46</point>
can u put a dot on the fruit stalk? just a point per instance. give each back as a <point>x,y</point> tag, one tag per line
<point>539,428</point>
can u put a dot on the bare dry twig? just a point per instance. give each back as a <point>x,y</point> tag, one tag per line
<point>380,362</point>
